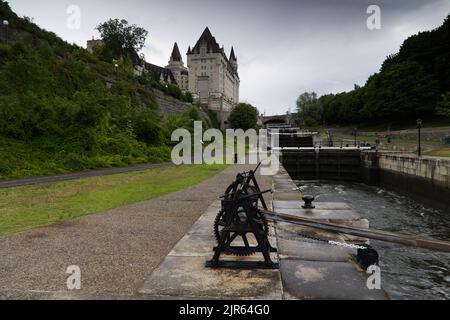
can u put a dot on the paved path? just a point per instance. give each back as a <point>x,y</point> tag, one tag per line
<point>308,270</point>
<point>79,175</point>
<point>116,250</point>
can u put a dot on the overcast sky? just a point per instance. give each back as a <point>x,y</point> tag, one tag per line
<point>284,48</point>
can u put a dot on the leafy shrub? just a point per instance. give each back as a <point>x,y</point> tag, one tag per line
<point>63,109</point>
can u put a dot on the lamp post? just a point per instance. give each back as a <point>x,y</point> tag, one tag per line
<point>355,133</point>
<point>5,24</point>
<point>419,127</point>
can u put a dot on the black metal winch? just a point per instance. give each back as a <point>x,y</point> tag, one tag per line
<point>240,228</point>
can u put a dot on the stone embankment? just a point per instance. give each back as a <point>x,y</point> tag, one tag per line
<point>426,179</point>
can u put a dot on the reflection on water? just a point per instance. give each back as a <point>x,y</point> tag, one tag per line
<point>407,273</point>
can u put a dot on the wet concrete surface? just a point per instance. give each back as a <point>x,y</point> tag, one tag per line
<point>180,277</point>
<point>308,269</point>
<point>318,280</point>
<point>406,273</point>
<point>183,272</point>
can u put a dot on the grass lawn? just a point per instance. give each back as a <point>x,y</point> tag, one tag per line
<point>25,208</point>
<point>398,125</point>
<point>439,153</point>
<point>395,141</point>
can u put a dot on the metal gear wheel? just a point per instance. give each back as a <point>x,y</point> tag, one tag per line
<point>240,220</point>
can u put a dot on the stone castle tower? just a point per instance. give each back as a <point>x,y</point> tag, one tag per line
<point>179,71</point>
<point>211,77</point>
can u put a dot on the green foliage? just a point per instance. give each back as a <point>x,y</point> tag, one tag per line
<point>183,121</point>
<point>146,125</point>
<point>310,122</point>
<point>212,115</point>
<point>244,116</point>
<point>63,109</point>
<point>169,89</point>
<point>103,53</point>
<point>26,26</point>
<point>122,39</point>
<point>187,97</point>
<point>443,108</point>
<point>409,84</point>
<point>309,107</point>
<point>172,90</point>
<point>403,89</point>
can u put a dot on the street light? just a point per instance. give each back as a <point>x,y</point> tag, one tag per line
<point>355,133</point>
<point>419,126</point>
<point>5,27</point>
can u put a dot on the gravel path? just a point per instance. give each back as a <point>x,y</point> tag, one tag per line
<point>116,250</point>
<point>79,175</point>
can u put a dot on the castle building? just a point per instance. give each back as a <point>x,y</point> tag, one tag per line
<point>161,74</point>
<point>91,44</point>
<point>211,77</point>
<point>179,71</point>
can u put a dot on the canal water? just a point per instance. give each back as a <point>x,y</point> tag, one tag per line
<point>407,273</point>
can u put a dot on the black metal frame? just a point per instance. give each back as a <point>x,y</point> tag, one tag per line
<point>244,193</point>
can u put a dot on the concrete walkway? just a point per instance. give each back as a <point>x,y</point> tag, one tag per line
<point>79,175</point>
<point>307,270</point>
<point>116,250</point>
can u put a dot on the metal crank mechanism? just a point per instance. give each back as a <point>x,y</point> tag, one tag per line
<point>240,228</point>
<point>365,257</point>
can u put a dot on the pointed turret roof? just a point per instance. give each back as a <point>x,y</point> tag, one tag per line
<point>176,55</point>
<point>232,55</point>
<point>189,50</point>
<point>209,40</point>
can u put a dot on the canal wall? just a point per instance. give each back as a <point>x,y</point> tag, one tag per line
<point>425,179</point>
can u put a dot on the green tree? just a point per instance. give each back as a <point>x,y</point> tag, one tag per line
<point>122,39</point>
<point>147,127</point>
<point>443,108</point>
<point>103,53</point>
<point>173,91</point>
<point>309,107</point>
<point>408,85</point>
<point>403,89</point>
<point>244,116</point>
<point>188,97</point>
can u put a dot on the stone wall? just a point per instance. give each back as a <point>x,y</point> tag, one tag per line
<point>169,105</point>
<point>434,169</point>
<point>424,179</point>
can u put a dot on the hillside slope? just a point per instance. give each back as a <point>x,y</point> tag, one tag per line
<point>63,109</point>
